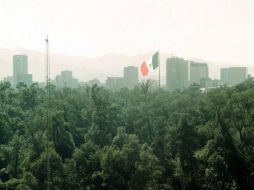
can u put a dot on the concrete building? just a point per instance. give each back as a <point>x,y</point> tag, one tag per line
<point>20,70</point>
<point>66,80</point>
<point>198,71</point>
<point>115,83</point>
<point>130,74</point>
<point>233,75</point>
<point>66,76</point>
<point>176,73</point>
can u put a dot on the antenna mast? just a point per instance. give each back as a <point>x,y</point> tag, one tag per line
<point>47,77</point>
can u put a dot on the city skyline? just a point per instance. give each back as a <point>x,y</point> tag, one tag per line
<point>180,73</point>
<point>101,67</point>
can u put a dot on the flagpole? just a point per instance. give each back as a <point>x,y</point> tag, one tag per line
<point>158,44</point>
<point>159,70</point>
<point>47,77</point>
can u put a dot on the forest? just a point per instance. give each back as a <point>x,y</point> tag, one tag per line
<point>139,139</point>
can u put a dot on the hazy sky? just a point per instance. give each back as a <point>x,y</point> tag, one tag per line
<point>221,30</point>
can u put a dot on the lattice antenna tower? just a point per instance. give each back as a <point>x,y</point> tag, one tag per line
<point>47,78</point>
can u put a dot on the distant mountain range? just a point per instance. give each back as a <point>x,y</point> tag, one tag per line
<point>84,68</point>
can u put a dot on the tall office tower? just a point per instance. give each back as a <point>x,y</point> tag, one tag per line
<point>176,73</point>
<point>66,76</point>
<point>233,75</point>
<point>20,70</point>
<point>130,76</point>
<point>198,71</point>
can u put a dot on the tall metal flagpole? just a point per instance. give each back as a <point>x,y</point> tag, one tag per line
<point>159,69</point>
<point>47,77</point>
<point>158,14</point>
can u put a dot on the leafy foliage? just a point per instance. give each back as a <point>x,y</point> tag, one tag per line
<point>144,138</point>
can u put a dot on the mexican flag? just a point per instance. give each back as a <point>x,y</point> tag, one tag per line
<point>149,66</point>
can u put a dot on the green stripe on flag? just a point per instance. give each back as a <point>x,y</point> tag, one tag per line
<point>155,60</point>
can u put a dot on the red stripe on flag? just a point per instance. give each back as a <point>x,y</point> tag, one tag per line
<point>144,69</point>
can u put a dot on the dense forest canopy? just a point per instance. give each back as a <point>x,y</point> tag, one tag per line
<point>139,139</point>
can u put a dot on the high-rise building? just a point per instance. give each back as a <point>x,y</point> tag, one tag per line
<point>198,71</point>
<point>66,80</point>
<point>66,75</point>
<point>20,70</point>
<point>233,75</point>
<point>176,73</point>
<point>20,65</point>
<point>130,76</point>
